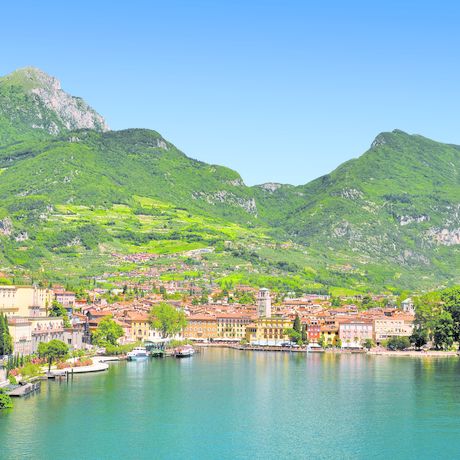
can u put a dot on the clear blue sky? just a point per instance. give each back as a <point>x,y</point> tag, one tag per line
<point>281,91</point>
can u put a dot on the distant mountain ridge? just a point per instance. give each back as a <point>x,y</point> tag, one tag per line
<point>386,219</point>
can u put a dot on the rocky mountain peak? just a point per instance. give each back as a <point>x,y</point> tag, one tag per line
<point>53,108</point>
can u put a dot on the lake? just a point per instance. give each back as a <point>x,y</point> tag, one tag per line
<point>229,404</point>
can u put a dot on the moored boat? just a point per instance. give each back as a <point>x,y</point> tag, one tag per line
<point>137,353</point>
<point>184,352</point>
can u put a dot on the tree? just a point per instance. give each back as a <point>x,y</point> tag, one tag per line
<point>293,335</point>
<point>297,324</point>
<point>108,332</point>
<point>6,341</point>
<point>335,302</point>
<point>368,343</point>
<point>443,331</point>
<point>322,341</point>
<point>57,310</point>
<point>451,299</point>
<point>53,350</point>
<point>419,337</point>
<point>167,319</point>
<point>398,343</point>
<point>338,342</point>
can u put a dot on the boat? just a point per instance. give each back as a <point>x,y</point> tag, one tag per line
<point>137,353</point>
<point>184,352</point>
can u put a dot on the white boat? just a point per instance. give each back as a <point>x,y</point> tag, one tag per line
<point>137,354</point>
<point>184,352</point>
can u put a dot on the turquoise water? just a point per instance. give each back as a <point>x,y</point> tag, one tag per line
<point>226,404</point>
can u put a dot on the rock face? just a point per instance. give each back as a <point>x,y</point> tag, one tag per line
<point>53,110</point>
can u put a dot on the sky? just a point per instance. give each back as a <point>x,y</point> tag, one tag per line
<point>279,90</point>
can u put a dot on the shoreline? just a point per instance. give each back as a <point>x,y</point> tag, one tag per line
<point>389,353</point>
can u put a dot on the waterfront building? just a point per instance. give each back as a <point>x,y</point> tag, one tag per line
<point>139,324</point>
<point>232,326</point>
<point>330,334</point>
<point>264,303</point>
<point>268,331</point>
<point>25,301</point>
<point>201,327</point>
<point>313,328</point>
<point>27,333</point>
<point>353,332</point>
<point>394,326</point>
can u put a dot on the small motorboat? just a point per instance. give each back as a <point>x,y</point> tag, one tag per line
<point>138,353</point>
<point>184,352</point>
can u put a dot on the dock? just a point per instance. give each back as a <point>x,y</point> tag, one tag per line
<point>24,390</point>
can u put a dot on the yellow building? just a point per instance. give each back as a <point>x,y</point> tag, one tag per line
<point>330,334</point>
<point>232,326</point>
<point>268,331</point>
<point>139,324</point>
<point>201,327</point>
<point>25,301</point>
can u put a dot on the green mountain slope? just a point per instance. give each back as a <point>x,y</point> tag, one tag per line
<point>394,211</point>
<point>76,198</point>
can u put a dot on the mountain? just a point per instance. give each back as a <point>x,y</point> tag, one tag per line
<point>32,103</point>
<point>77,200</point>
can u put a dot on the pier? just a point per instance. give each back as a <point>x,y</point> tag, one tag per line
<point>24,390</point>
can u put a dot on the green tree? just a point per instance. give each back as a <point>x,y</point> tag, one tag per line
<point>428,307</point>
<point>297,324</point>
<point>57,310</point>
<point>6,341</point>
<point>107,333</point>
<point>451,300</point>
<point>53,350</point>
<point>293,335</point>
<point>322,341</point>
<point>335,302</point>
<point>167,319</point>
<point>443,331</point>
<point>419,337</point>
<point>369,343</point>
<point>398,343</point>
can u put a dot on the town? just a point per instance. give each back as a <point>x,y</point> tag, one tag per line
<point>254,320</point>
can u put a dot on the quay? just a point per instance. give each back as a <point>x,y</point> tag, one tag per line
<point>24,390</point>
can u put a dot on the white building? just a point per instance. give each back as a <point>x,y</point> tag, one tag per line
<point>264,303</point>
<point>408,306</point>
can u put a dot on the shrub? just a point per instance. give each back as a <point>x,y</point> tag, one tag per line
<point>5,400</point>
<point>30,370</point>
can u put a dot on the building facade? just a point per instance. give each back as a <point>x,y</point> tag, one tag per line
<point>201,327</point>
<point>268,331</point>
